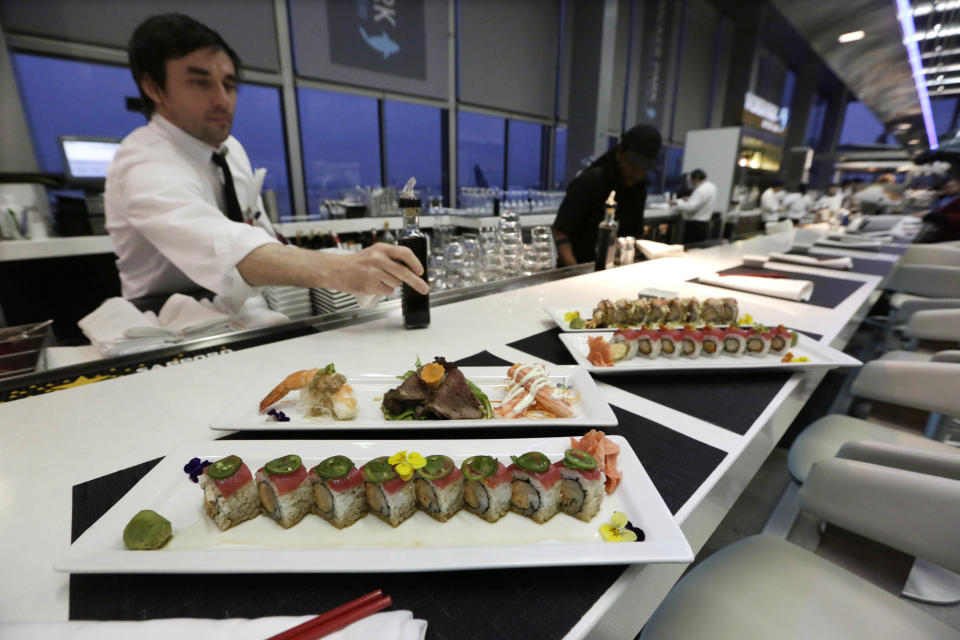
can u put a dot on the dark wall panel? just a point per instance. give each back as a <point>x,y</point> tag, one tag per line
<point>696,69</point>
<point>248,26</point>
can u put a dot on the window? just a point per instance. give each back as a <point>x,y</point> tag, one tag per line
<point>96,95</point>
<point>818,114</point>
<point>258,125</point>
<point>414,147</point>
<point>672,168</point>
<point>523,155</point>
<point>560,158</point>
<point>943,110</point>
<point>860,126</point>
<point>479,150</point>
<point>341,144</point>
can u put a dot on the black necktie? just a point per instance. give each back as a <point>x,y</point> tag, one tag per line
<point>229,191</point>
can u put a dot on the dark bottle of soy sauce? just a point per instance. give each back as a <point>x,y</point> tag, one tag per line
<point>416,306</point>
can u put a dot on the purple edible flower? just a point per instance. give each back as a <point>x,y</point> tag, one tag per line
<point>278,415</point>
<point>195,467</point>
<point>641,536</point>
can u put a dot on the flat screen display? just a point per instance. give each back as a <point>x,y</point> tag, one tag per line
<point>88,158</point>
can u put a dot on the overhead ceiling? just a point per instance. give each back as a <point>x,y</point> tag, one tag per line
<point>876,68</point>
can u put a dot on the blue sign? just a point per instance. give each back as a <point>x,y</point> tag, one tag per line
<point>386,36</point>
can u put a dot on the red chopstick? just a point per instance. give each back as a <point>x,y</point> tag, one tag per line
<point>753,275</point>
<point>336,619</point>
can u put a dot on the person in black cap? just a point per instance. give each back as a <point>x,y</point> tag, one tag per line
<point>622,169</point>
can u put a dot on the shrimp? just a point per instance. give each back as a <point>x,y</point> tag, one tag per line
<point>293,382</point>
<point>529,385</point>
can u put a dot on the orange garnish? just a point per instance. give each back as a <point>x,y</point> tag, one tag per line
<point>432,373</point>
<point>788,357</point>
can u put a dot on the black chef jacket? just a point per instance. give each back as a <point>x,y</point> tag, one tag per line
<point>582,208</point>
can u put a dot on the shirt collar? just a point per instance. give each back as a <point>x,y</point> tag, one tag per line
<point>197,149</point>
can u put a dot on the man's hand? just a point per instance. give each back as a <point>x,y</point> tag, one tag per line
<point>380,268</point>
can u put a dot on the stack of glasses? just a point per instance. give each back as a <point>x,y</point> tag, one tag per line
<point>541,254</point>
<point>511,244</point>
<point>491,262</point>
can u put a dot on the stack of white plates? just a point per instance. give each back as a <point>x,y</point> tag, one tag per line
<point>293,302</point>
<point>330,301</point>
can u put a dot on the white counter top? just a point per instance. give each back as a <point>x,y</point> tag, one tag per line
<point>50,443</point>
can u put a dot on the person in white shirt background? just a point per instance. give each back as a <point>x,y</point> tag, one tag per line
<point>166,199</point>
<point>698,206</point>
<point>797,203</point>
<point>878,197</point>
<point>770,199</point>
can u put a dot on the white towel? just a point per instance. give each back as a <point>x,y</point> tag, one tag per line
<point>387,625</point>
<point>652,250</point>
<point>778,287</point>
<point>106,328</point>
<point>844,262</point>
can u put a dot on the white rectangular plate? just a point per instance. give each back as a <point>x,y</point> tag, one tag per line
<point>370,545</point>
<point>242,413</point>
<point>820,357</point>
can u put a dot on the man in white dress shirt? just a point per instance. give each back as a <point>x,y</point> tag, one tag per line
<point>698,207</point>
<point>770,199</point>
<point>178,216</point>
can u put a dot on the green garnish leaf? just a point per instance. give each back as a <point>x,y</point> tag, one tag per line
<point>482,397</point>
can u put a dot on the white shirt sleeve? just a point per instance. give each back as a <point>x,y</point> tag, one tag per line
<point>693,202</point>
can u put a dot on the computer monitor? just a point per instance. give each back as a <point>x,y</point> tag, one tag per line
<point>86,159</point>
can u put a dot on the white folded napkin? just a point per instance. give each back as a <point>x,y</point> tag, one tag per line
<point>836,262</point>
<point>778,287</point>
<point>106,328</point>
<point>387,625</point>
<point>255,314</point>
<point>181,317</point>
<point>651,249</point>
<point>853,243</point>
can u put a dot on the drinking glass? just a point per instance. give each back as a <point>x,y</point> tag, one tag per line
<point>453,267</point>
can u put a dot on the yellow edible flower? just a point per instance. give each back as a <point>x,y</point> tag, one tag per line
<point>745,319</point>
<point>405,464</point>
<point>570,315</point>
<point>616,531</point>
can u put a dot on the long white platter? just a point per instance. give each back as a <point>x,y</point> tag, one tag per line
<point>819,356</point>
<point>418,544</point>
<point>242,413</point>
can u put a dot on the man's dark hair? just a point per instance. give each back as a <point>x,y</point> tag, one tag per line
<point>168,37</point>
<point>698,174</point>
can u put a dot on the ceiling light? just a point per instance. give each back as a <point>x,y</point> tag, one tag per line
<point>913,141</point>
<point>913,53</point>
<point>903,126</point>
<point>852,36</point>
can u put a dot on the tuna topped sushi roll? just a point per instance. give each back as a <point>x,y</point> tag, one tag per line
<point>487,487</point>
<point>535,490</point>
<point>581,484</point>
<point>286,490</point>
<point>338,492</point>
<point>691,342</point>
<point>712,341</point>
<point>757,343</point>
<point>229,492</point>
<point>671,342</point>
<point>390,497</point>
<point>735,341</point>
<point>781,339</point>
<point>648,342</point>
<point>629,338</point>
<point>439,488</point>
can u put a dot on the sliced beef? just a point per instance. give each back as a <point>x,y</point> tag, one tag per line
<point>453,399</point>
<point>409,395</point>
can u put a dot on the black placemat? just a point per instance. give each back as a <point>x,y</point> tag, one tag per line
<point>545,345</point>
<point>731,399</point>
<point>482,359</point>
<point>827,291</point>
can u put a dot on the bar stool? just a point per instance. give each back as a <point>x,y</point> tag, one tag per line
<point>762,587</point>
<point>942,325</point>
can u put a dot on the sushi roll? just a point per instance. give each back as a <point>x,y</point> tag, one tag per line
<point>627,337</point>
<point>286,490</point>
<point>229,492</point>
<point>338,492</point>
<point>730,310</point>
<point>657,311</point>
<point>487,487</point>
<point>581,484</point>
<point>648,342</point>
<point>390,497</point>
<point>622,311</point>
<point>711,311</point>
<point>758,344</point>
<point>638,311</point>
<point>535,487</point>
<point>712,341</point>
<point>671,342</point>
<point>781,340</point>
<point>676,310</point>
<point>603,313</point>
<point>735,341</point>
<point>439,488</point>
<point>691,309</point>
<point>691,342</point>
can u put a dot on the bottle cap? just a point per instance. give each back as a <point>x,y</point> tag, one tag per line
<point>408,198</point>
